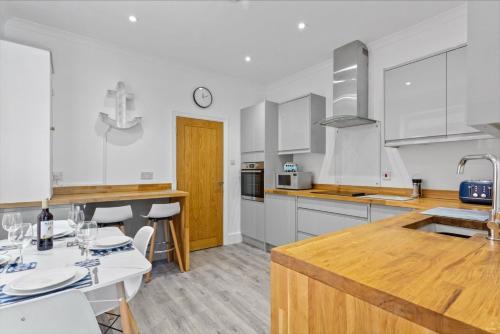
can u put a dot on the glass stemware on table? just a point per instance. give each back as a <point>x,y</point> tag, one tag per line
<point>18,233</point>
<point>20,236</point>
<point>76,217</point>
<point>10,220</point>
<point>87,233</point>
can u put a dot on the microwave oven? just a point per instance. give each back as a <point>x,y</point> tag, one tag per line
<point>294,180</point>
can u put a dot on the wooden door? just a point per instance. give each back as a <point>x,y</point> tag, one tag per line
<point>200,172</point>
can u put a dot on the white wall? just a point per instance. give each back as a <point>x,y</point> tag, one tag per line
<point>3,17</point>
<point>85,69</point>
<point>354,155</point>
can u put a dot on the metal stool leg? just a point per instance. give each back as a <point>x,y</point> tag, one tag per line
<point>176,245</point>
<point>151,251</point>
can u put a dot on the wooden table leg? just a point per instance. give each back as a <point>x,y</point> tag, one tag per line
<point>129,326</point>
<point>182,225</point>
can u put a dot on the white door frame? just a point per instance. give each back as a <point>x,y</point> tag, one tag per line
<point>225,122</point>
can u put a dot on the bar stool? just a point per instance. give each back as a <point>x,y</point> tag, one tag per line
<point>114,216</point>
<point>163,213</point>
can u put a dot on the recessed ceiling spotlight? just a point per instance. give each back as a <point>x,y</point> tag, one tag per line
<point>302,25</point>
<point>132,18</point>
<point>248,59</point>
<point>408,83</point>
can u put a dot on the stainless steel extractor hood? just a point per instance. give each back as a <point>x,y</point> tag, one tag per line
<point>350,87</point>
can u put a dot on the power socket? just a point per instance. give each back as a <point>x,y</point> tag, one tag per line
<point>386,175</point>
<point>57,177</point>
<point>147,175</point>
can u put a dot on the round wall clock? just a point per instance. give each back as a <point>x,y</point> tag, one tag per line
<point>202,97</point>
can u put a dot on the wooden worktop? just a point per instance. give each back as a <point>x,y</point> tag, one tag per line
<point>443,283</point>
<point>104,193</point>
<point>430,199</point>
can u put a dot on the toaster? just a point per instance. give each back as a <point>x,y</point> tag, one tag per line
<point>476,192</point>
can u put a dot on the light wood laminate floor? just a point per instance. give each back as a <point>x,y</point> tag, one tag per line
<point>226,291</point>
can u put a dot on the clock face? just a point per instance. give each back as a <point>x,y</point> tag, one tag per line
<point>202,97</point>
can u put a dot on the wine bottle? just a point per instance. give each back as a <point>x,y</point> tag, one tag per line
<point>45,228</point>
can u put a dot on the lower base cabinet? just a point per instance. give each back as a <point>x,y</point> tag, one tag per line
<point>318,222</point>
<point>252,220</point>
<point>317,216</point>
<point>280,214</point>
<point>379,212</point>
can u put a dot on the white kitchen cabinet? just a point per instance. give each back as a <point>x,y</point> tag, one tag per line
<point>304,236</point>
<point>456,92</point>
<point>483,66</point>
<point>319,216</point>
<point>280,222</point>
<point>298,128</point>
<point>415,99</point>
<point>340,207</point>
<point>379,212</point>
<point>25,122</point>
<point>253,128</point>
<point>252,220</point>
<point>315,222</point>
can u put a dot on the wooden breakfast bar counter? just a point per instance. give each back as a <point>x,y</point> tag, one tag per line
<point>112,193</point>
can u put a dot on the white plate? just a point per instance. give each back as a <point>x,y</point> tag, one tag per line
<point>43,279</point>
<point>61,229</point>
<point>4,258</point>
<point>80,273</point>
<point>110,242</point>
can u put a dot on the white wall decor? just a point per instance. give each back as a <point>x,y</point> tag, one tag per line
<point>123,101</point>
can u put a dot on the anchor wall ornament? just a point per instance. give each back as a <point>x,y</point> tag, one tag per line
<point>122,99</point>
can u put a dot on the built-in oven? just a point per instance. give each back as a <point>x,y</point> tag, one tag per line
<point>252,181</point>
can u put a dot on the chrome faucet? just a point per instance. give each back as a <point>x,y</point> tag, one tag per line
<point>494,221</point>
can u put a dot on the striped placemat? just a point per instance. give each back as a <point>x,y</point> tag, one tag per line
<point>7,299</point>
<point>109,251</point>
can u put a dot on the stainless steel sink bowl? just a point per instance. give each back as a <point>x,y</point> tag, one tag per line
<point>453,227</point>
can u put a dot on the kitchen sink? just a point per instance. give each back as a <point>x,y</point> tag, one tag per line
<point>453,227</point>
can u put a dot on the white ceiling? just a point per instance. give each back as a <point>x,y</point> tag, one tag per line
<point>217,35</point>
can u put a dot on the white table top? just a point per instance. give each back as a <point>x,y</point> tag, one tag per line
<point>114,268</point>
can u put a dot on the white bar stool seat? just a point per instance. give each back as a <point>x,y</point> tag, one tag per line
<point>113,216</point>
<point>164,213</point>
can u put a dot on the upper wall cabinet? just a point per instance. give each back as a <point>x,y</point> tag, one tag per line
<point>425,100</point>
<point>25,121</point>
<point>483,66</point>
<point>253,128</point>
<point>456,97</point>
<point>415,99</point>
<point>298,128</point>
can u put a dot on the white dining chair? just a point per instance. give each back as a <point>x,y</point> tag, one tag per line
<point>142,237</point>
<point>106,299</point>
<point>59,313</point>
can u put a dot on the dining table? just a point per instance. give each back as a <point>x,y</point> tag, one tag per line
<point>114,269</point>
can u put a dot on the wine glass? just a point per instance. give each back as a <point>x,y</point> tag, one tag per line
<point>10,220</point>
<point>87,233</point>
<point>19,236</point>
<point>76,217</point>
